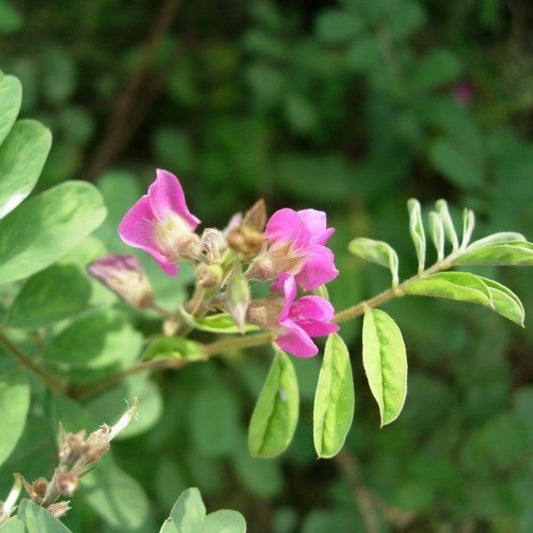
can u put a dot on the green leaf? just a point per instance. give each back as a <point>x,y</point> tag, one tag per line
<point>47,226</point>
<point>336,26</point>
<point>378,252</point>
<point>43,300</point>
<point>334,399</point>
<point>163,347</point>
<point>22,157</point>
<point>416,228</point>
<point>13,525</point>
<point>516,253</point>
<point>188,513</point>
<point>436,228</point>
<point>94,342</point>
<point>224,521</point>
<point>385,363</point>
<point>449,228</point>
<point>10,100</point>
<point>116,496</point>
<point>14,405</point>
<point>437,68</point>
<point>469,221</point>
<point>214,419</point>
<point>505,301</point>
<point>460,286</point>
<point>276,412</point>
<point>219,323</point>
<point>36,519</point>
<point>502,237</point>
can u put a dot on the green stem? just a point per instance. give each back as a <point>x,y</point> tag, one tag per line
<point>261,339</point>
<point>51,381</point>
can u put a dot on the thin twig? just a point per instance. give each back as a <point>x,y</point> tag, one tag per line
<point>119,129</point>
<point>51,381</point>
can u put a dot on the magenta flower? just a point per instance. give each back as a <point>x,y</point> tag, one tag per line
<point>124,276</point>
<point>299,320</point>
<point>297,246</point>
<point>161,224</point>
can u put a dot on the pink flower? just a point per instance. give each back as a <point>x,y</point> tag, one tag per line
<point>299,320</point>
<point>161,224</point>
<point>297,246</point>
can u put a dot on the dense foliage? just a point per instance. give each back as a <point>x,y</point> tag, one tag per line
<point>351,107</point>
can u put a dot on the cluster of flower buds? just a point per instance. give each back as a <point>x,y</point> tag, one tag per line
<point>78,455</point>
<point>288,250</point>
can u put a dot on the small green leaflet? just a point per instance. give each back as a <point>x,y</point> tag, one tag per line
<point>385,363</point>
<point>447,222</point>
<point>37,519</point>
<point>163,347</point>
<point>10,100</point>
<point>378,252</point>
<point>188,515</point>
<point>469,221</point>
<point>416,228</point>
<point>276,412</point>
<point>219,323</point>
<point>436,228</point>
<point>461,286</point>
<point>334,399</point>
<point>515,253</point>
<point>505,301</point>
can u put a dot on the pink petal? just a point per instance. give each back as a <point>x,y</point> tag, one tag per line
<point>315,222</point>
<point>287,284</point>
<point>137,230</point>
<point>313,314</point>
<point>286,226</point>
<point>295,340</point>
<point>166,195</point>
<point>318,269</point>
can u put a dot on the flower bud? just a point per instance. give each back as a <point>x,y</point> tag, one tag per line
<point>187,246</point>
<point>59,509</point>
<point>212,246</point>
<point>238,297</point>
<point>255,218</point>
<point>125,277</point>
<point>265,312</point>
<point>268,265</point>
<point>208,276</point>
<point>67,483</point>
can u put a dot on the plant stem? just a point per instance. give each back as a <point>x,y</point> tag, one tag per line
<point>51,381</point>
<point>261,339</point>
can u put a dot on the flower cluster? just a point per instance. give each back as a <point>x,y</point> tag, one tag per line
<point>289,251</point>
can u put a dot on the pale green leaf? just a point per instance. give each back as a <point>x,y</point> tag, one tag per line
<point>378,252</point>
<point>334,399</point>
<point>469,221</point>
<point>13,525</point>
<point>163,347</point>
<point>46,227</point>
<point>502,237</point>
<point>14,405</point>
<point>37,519</point>
<point>22,157</point>
<point>224,521</point>
<point>449,228</point>
<point>461,286</point>
<point>10,100</point>
<point>416,228</point>
<point>43,300</point>
<point>222,323</point>
<point>188,513</point>
<point>276,412</point>
<point>505,301</point>
<point>436,228</point>
<point>385,363</point>
<point>516,253</point>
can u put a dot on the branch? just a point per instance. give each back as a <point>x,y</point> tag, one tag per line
<point>52,382</point>
<point>119,130</point>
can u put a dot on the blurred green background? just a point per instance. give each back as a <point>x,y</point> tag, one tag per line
<point>350,106</point>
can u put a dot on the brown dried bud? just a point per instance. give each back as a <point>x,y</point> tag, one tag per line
<point>245,240</point>
<point>59,509</point>
<point>268,265</point>
<point>67,483</point>
<point>72,448</point>
<point>39,487</point>
<point>255,217</point>
<point>187,246</point>
<point>265,312</point>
